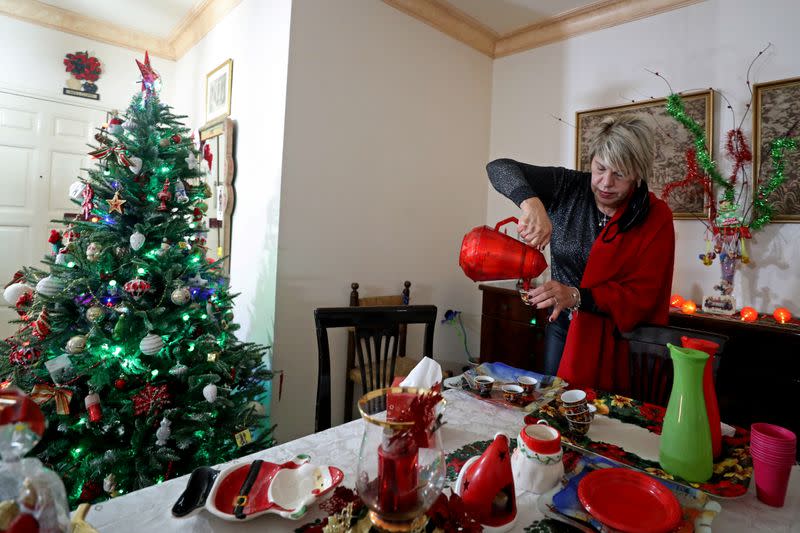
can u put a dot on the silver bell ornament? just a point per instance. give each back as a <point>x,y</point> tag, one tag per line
<point>178,370</point>
<point>14,291</point>
<point>151,344</point>
<point>210,393</point>
<point>49,286</point>
<point>180,296</point>
<point>137,240</point>
<point>76,344</point>
<point>110,483</point>
<point>136,164</point>
<point>95,314</point>
<point>93,251</point>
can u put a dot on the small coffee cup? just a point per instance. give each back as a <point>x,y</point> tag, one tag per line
<point>484,385</point>
<point>578,428</point>
<point>528,384</point>
<point>512,393</point>
<point>573,397</point>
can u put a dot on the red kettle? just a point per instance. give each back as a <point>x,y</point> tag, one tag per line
<point>488,255</point>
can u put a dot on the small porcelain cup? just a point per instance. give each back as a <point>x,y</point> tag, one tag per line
<point>484,384</point>
<point>573,398</point>
<point>528,384</point>
<point>512,393</point>
<point>536,463</point>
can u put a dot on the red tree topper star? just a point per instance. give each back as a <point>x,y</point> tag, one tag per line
<point>149,76</point>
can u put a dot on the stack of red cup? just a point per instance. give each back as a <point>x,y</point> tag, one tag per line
<point>773,449</point>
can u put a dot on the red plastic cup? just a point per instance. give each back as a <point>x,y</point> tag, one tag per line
<point>772,481</point>
<point>772,433</point>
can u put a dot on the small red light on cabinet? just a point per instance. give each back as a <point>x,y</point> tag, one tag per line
<point>748,314</point>
<point>782,315</point>
<point>688,307</point>
<point>676,300</point>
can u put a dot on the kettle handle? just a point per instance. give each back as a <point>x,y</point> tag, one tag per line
<point>504,222</point>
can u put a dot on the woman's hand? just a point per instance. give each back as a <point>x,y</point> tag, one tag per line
<point>534,225</point>
<point>552,293</point>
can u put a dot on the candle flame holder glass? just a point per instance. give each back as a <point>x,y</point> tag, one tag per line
<point>401,463</point>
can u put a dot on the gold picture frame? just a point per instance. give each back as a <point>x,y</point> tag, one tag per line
<point>672,141</point>
<point>219,84</point>
<point>776,113</point>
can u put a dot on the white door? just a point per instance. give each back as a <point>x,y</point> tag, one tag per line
<point>43,146</point>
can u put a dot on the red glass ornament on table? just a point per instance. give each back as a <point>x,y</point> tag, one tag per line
<point>748,314</point>
<point>782,315</point>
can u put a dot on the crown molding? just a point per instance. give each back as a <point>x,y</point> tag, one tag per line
<point>451,21</point>
<point>198,23</point>
<point>592,17</point>
<point>81,25</point>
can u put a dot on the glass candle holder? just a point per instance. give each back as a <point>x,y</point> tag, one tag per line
<point>401,463</point>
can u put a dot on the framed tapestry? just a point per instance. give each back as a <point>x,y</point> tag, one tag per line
<point>672,141</point>
<point>776,113</point>
<point>218,92</point>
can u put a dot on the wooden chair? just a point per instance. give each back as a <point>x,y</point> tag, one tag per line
<point>376,333</point>
<point>651,369</point>
<point>353,373</point>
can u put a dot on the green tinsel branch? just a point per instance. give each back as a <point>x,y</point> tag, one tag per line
<point>677,111</point>
<point>762,210</point>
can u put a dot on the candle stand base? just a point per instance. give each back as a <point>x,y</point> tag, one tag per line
<point>406,526</point>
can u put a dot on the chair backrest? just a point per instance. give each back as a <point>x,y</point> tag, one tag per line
<point>376,331</point>
<point>651,369</point>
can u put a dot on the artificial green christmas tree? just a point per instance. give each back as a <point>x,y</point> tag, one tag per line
<point>127,342</point>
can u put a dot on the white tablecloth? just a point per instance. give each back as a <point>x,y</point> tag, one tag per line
<point>468,419</point>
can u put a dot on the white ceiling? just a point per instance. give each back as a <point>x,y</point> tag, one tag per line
<point>154,17</point>
<point>505,16</point>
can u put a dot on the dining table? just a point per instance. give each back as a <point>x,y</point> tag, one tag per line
<point>468,419</point>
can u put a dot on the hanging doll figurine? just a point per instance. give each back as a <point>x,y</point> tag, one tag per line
<point>32,497</point>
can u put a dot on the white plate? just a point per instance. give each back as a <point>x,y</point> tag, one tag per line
<point>453,383</point>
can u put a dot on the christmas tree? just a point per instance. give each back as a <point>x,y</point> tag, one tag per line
<point>127,341</point>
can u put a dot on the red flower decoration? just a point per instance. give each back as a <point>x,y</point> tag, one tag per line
<point>83,67</point>
<point>150,399</point>
<point>652,413</point>
<point>612,451</point>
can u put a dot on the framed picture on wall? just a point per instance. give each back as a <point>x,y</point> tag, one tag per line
<point>672,141</point>
<point>218,92</point>
<point>776,113</point>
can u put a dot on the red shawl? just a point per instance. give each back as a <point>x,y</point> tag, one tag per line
<point>631,280</point>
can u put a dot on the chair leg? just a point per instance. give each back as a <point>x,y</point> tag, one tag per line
<point>348,400</point>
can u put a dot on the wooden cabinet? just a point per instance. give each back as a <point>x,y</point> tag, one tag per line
<point>511,332</point>
<point>758,379</point>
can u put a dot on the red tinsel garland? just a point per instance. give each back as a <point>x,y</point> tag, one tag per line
<point>737,149</point>
<point>694,176</point>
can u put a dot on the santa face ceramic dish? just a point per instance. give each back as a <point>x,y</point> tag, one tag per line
<point>245,491</point>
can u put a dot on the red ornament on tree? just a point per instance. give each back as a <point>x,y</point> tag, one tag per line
<point>41,326</point>
<point>24,355</point>
<point>136,288</point>
<point>164,196</point>
<point>92,402</point>
<point>176,138</point>
<point>120,384</point>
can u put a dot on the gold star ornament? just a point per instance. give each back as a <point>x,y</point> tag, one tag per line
<point>115,203</point>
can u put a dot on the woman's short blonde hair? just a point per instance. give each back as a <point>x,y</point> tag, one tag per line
<point>625,143</point>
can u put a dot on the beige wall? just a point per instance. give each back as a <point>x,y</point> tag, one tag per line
<point>707,44</point>
<point>387,134</point>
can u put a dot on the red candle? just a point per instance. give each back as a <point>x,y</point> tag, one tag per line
<point>782,315</point>
<point>397,476</point>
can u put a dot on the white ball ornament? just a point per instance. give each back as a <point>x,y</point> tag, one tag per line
<point>93,251</point>
<point>14,291</point>
<point>136,164</point>
<point>210,393</point>
<point>180,296</point>
<point>151,344</point>
<point>76,190</point>
<point>49,286</point>
<point>137,240</point>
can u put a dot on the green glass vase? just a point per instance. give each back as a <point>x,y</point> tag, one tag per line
<point>685,446</point>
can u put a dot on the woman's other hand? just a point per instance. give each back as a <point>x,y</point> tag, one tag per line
<point>534,225</point>
<point>552,293</point>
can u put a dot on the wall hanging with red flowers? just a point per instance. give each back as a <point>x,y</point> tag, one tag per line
<point>84,71</point>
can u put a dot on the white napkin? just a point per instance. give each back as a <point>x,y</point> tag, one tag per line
<point>425,375</point>
<point>727,431</point>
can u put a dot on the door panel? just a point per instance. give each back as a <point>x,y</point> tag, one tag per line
<point>43,147</point>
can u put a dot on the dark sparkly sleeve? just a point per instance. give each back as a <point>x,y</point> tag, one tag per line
<point>520,181</point>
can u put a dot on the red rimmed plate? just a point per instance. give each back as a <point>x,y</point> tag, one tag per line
<point>629,501</point>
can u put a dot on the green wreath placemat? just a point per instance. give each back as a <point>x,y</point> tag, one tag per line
<point>732,472</point>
